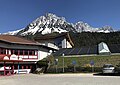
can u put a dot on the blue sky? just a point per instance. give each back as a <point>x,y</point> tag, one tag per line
<point>16,14</point>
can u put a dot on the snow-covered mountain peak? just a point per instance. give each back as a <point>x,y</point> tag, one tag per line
<point>46,24</point>
<point>12,32</point>
<point>50,23</point>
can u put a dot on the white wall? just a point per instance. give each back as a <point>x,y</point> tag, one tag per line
<point>103,48</point>
<point>50,44</point>
<point>64,43</point>
<point>69,45</point>
<point>42,53</point>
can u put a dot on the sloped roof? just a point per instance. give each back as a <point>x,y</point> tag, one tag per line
<point>85,50</point>
<point>49,36</point>
<point>114,48</point>
<point>54,36</point>
<point>16,40</point>
<point>78,51</point>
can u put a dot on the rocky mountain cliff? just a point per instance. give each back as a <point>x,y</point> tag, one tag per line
<point>51,23</point>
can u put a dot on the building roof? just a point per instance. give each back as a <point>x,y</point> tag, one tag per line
<point>10,39</point>
<point>77,51</point>
<point>50,36</point>
<point>54,36</point>
<point>16,40</point>
<point>114,48</point>
<point>88,50</point>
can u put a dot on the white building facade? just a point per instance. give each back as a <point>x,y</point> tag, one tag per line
<point>20,54</point>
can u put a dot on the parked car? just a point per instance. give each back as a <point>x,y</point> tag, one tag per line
<point>108,68</point>
<point>117,69</point>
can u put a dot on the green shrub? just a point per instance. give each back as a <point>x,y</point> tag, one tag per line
<point>42,63</point>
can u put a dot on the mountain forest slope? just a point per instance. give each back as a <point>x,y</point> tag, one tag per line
<point>89,39</point>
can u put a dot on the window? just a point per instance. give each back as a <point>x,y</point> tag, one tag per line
<point>12,51</point>
<point>2,51</point>
<point>7,51</point>
<point>26,52</point>
<point>31,52</point>
<point>21,52</point>
<point>16,52</point>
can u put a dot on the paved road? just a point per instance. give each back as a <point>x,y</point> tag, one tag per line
<point>59,79</point>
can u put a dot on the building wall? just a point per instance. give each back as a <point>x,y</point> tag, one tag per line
<point>40,52</point>
<point>64,43</point>
<point>42,55</point>
<point>50,44</point>
<point>69,45</point>
<point>15,52</point>
<point>103,48</point>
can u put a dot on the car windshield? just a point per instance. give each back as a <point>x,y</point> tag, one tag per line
<point>107,66</point>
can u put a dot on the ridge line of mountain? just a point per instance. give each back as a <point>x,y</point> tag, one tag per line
<point>51,23</point>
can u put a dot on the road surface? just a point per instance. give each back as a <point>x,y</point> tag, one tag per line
<point>59,79</point>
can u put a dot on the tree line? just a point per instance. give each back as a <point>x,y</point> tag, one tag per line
<point>94,38</point>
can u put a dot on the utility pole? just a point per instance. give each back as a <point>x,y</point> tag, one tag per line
<point>56,65</point>
<point>63,62</point>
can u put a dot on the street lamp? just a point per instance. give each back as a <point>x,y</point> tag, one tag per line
<point>63,62</point>
<point>56,63</point>
<point>50,51</point>
<point>48,54</point>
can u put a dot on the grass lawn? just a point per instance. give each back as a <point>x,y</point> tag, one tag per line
<point>84,61</point>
